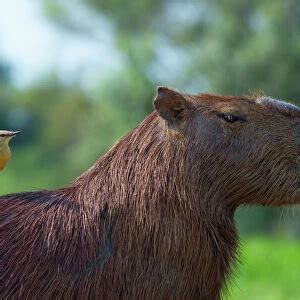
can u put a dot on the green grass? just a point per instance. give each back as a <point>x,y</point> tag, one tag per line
<point>270,270</point>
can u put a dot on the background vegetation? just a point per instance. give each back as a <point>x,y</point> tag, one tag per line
<point>230,47</point>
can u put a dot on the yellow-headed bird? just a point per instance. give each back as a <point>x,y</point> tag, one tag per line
<point>5,154</point>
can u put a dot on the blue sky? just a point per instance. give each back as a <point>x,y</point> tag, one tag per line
<point>33,46</point>
<point>25,39</point>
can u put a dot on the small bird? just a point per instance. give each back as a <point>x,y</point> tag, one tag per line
<point>5,154</point>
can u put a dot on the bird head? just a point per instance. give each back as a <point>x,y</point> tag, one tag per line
<point>6,136</point>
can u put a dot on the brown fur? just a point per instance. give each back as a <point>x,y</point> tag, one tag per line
<point>154,217</point>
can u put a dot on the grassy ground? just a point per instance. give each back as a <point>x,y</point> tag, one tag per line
<point>270,270</point>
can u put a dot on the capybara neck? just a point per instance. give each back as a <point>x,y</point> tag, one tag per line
<point>146,182</point>
<point>151,169</point>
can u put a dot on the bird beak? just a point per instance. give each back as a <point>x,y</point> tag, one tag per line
<point>14,133</point>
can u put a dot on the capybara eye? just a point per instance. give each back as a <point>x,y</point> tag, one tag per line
<point>228,117</point>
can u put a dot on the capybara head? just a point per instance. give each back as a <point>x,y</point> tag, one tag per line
<point>248,148</point>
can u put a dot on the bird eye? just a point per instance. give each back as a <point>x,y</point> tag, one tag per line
<point>228,117</point>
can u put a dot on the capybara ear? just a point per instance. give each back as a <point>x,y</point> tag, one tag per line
<point>171,105</point>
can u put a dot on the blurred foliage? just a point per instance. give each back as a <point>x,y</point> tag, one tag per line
<point>230,47</point>
<point>268,271</point>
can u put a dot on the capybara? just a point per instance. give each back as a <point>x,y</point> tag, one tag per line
<point>154,217</point>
